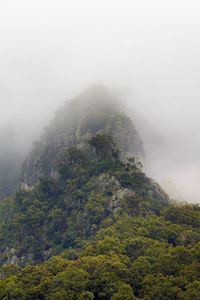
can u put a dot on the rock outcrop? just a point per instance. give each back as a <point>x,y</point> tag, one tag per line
<point>92,112</point>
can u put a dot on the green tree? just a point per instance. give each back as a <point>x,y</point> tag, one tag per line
<point>124,293</point>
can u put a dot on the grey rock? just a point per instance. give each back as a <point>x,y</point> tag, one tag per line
<point>94,112</point>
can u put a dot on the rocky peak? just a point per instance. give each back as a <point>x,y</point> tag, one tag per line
<point>95,111</point>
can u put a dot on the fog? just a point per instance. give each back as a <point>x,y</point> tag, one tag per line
<point>148,49</point>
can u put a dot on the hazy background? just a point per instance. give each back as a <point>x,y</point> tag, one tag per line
<point>51,50</point>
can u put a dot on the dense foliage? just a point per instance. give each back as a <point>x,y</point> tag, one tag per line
<point>102,230</point>
<point>131,257</point>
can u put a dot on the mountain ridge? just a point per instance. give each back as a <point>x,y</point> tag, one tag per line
<point>97,228</point>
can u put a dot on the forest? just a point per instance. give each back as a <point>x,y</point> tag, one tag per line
<point>102,230</point>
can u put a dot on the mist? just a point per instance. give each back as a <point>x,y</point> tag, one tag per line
<point>149,50</point>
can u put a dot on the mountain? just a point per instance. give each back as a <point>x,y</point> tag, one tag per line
<point>92,112</point>
<point>81,171</point>
<point>87,223</point>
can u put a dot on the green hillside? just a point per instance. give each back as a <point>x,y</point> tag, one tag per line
<point>87,223</point>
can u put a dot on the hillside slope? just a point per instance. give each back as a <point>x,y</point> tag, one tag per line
<point>88,224</point>
<point>63,212</point>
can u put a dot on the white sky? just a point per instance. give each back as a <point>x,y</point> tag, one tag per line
<point>51,50</point>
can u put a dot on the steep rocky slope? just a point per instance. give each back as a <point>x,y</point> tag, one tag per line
<point>94,111</point>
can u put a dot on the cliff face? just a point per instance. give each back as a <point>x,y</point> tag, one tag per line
<point>93,112</point>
